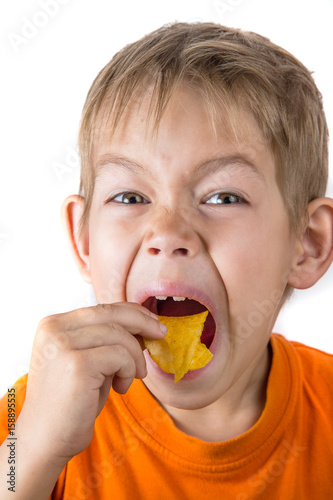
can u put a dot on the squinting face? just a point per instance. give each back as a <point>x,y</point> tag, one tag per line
<point>197,215</point>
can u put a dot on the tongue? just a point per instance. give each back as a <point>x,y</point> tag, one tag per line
<point>187,307</point>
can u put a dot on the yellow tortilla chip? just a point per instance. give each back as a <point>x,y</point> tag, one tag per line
<point>181,350</point>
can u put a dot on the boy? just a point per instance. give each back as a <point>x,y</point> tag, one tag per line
<point>204,169</point>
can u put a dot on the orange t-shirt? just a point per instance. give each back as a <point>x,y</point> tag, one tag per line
<point>138,453</point>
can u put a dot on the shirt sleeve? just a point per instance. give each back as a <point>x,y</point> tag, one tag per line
<point>15,395</point>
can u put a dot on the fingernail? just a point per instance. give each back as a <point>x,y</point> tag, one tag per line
<point>163,328</point>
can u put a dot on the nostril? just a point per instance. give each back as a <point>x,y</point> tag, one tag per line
<point>181,251</point>
<point>154,251</point>
<point>177,251</point>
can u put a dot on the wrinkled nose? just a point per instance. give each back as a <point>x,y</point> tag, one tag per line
<point>172,235</point>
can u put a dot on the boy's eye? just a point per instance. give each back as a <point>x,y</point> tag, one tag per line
<point>129,198</point>
<point>224,199</point>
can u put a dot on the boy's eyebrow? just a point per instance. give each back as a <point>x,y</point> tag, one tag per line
<point>208,167</point>
<point>118,160</point>
<point>221,162</point>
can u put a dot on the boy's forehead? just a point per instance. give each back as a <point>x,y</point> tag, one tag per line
<point>187,113</point>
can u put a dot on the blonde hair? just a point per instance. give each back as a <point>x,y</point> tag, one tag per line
<point>229,67</point>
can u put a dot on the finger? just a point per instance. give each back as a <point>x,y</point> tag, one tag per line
<point>109,361</point>
<point>133,317</point>
<point>93,336</point>
<point>121,385</point>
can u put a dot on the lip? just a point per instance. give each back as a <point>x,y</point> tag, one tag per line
<point>176,290</point>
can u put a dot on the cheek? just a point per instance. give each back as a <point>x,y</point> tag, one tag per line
<point>253,263</point>
<point>111,248</point>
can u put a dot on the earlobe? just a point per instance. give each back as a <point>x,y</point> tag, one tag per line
<point>71,213</point>
<point>314,252</point>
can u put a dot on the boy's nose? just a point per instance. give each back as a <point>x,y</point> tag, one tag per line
<point>172,235</point>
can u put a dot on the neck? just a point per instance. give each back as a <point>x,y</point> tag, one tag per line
<point>234,413</point>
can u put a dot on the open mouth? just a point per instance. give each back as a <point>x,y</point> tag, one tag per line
<point>182,306</point>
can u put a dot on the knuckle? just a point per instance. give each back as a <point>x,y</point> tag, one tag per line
<point>130,372</point>
<point>148,320</point>
<point>121,351</point>
<point>115,331</point>
<point>75,364</point>
<point>114,328</point>
<point>46,332</point>
<point>48,336</point>
<point>103,308</point>
<point>128,369</point>
<point>46,324</point>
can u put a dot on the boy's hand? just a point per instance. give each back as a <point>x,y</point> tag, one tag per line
<point>76,357</point>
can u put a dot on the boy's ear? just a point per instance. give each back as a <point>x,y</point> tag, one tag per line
<point>315,247</point>
<point>71,212</point>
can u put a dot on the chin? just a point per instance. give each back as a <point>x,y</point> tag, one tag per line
<point>186,394</point>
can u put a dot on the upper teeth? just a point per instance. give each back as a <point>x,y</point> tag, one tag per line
<point>163,297</point>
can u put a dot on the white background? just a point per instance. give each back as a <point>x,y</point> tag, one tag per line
<point>45,76</point>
